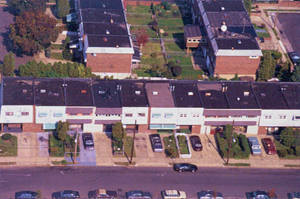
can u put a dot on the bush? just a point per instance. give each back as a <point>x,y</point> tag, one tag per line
<point>66,54</point>
<point>153,55</point>
<point>276,55</point>
<point>282,152</point>
<point>290,151</point>
<point>176,70</point>
<point>297,150</point>
<point>175,13</point>
<point>244,144</point>
<point>166,5</point>
<point>6,136</point>
<point>48,52</point>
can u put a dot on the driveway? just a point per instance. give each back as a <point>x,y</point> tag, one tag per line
<point>86,157</point>
<point>5,43</point>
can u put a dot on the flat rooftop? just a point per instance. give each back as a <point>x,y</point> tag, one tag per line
<point>236,43</point>
<point>49,92</point>
<point>185,94</point>
<point>133,93</point>
<point>18,91</point>
<point>105,29</point>
<point>159,94</point>
<point>223,5</point>
<point>192,31</point>
<point>291,94</point>
<point>94,15</point>
<point>108,41</point>
<point>78,92</point>
<point>106,94</point>
<point>269,95</point>
<point>101,4</point>
<point>240,95</point>
<point>212,95</point>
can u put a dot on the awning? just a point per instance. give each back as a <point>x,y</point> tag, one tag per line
<point>207,112</point>
<point>162,126</point>
<point>106,121</point>
<point>79,110</point>
<point>78,121</point>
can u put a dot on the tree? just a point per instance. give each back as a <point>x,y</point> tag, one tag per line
<point>8,66</point>
<point>295,77</point>
<point>248,5</point>
<point>61,130</point>
<point>18,7</point>
<point>62,8</point>
<point>267,67</point>
<point>33,31</point>
<point>118,132</point>
<point>287,137</point>
<point>176,70</point>
<point>228,136</point>
<point>142,37</point>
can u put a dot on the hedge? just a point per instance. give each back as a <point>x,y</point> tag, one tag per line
<point>6,136</point>
<point>297,150</point>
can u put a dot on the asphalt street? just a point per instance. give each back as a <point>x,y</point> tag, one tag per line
<point>232,182</point>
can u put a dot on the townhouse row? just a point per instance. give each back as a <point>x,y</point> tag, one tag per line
<point>34,105</point>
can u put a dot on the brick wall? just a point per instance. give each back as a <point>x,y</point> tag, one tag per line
<point>196,128</point>
<point>32,127</point>
<point>142,128</point>
<point>236,65</point>
<point>262,130</point>
<point>110,63</point>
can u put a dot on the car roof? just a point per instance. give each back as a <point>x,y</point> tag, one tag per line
<point>172,192</point>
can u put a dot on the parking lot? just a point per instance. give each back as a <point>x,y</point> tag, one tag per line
<point>5,43</point>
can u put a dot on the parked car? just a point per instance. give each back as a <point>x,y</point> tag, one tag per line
<point>88,141</point>
<point>156,143</point>
<point>26,195</point>
<point>180,167</point>
<point>66,194</point>
<point>295,57</point>
<point>102,194</point>
<point>260,195</point>
<point>209,195</point>
<point>173,194</point>
<point>138,195</point>
<point>196,143</point>
<point>254,145</point>
<point>294,195</point>
<point>269,146</point>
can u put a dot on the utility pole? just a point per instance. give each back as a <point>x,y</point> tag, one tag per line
<point>132,147</point>
<point>76,143</point>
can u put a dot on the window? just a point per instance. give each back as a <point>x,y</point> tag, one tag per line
<point>168,115</point>
<point>297,117</point>
<point>128,115</point>
<point>141,114</point>
<point>24,113</point>
<point>156,115</point>
<point>9,113</point>
<point>283,117</point>
<point>253,57</point>
<point>195,115</point>
<point>43,114</point>
<point>57,114</point>
<point>268,116</point>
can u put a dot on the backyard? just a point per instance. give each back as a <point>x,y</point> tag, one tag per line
<point>171,19</point>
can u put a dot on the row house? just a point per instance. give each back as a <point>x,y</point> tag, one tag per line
<point>37,104</point>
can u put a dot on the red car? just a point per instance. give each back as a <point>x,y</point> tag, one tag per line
<point>269,146</point>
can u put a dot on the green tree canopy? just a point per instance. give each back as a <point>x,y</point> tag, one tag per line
<point>17,7</point>
<point>118,132</point>
<point>295,77</point>
<point>61,130</point>
<point>8,66</point>
<point>287,137</point>
<point>33,31</point>
<point>62,8</point>
<point>267,67</point>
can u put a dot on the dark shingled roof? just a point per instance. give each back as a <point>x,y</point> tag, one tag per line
<point>133,93</point>
<point>105,29</point>
<point>185,94</point>
<point>230,18</point>
<point>106,94</point>
<point>192,31</point>
<point>18,91</point>
<point>103,16</point>
<point>78,92</point>
<point>212,95</point>
<point>101,4</point>
<point>228,5</point>
<point>108,41</point>
<point>240,95</point>
<point>49,92</point>
<point>291,94</point>
<point>236,43</point>
<point>269,95</point>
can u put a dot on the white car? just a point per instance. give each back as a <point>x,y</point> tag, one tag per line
<point>173,194</point>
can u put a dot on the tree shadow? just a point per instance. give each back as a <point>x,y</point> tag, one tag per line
<point>7,42</point>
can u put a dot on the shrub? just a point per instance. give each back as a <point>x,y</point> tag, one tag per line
<point>6,136</point>
<point>166,5</point>
<point>282,152</point>
<point>244,144</point>
<point>276,55</point>
<point>48,52</point>
<point>165,34</point>
<point>297,150</point>
<point>153,55</point>
<point>290,151</point>
<point>66,54</point>
<point>175,13</point>
<point>176,70</point>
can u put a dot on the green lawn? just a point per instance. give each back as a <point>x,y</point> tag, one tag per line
<point>56,148</point>
<point>9,147</point>
<point>261,34</point>
<point>172,46</point>
<point>128,141</point>
<point>139,9</point>
<point>170,22</point>
<point>134,19</point>
<point>182,142</point>
<point>55,55</point>
<point>151,33</point>
<point>170,146</point>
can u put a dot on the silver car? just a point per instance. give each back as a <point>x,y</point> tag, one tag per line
<point>254,144</point>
